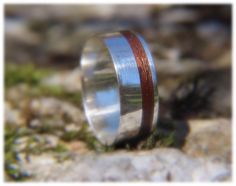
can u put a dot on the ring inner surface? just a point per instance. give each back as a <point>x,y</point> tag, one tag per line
<point>100,91</point>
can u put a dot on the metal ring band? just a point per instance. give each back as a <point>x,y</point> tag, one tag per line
<point>119,86</point>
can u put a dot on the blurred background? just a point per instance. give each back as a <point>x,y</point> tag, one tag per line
<point>191,45</point>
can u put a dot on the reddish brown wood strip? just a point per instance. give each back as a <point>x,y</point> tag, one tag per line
<point>146,81</point>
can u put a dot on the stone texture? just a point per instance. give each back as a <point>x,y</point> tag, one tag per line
<point>48,106</point>
<point>13,115</point>
<point>156,165</point>
<point>68,80</point>
<point>55,116</point>
<point>205,156</point>
<point>209,138</point>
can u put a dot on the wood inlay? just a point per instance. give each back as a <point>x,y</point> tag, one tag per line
<point>145,74</point>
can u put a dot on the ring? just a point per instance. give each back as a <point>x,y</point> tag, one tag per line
<point>119,86</point>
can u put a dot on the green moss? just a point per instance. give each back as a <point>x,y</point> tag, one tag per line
<point>60,152</point>
<point>32,76</point>
<point>58,92</point>
<point>166,140</point>
<point>70,136</point>
<point>47,128</point>
<point>158,139</point>
<point>35,147</point>
<point>127,147</point>
<point>11,165</point>
<point>60,148</point>
<point>88,138</point>
<point>29,74</point>
<point>12,169</point>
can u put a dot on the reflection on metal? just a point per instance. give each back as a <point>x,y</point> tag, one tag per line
<point>116,90</point>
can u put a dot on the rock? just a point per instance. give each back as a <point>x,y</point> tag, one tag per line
<point>200,77</point>
<point>21,40</point>
<point>12,115</point>
<point>18,97</point>
<point>48,141</point>
<point>68,80</point>
<point>212,36</point>
<point>78,147</point>
<point>76,13</point>
<point>35,123</point>
<point>221,99</point>
<point>16,31</point>
<point>51,115</point>
<point>36,141</point>
<point>60,39</point>
<point>42,163</point>
<point>56,108</point>
<point>51,141</point>
<point>182,67</point>
<point>177,15</point>
<point>209,137</point>
<point>214,31</point>
<point>156,165</point>
<point>72,128</point>
<point>48,125</point>
<point>21,143</point>
<point>17,92</point>
<point>163,53</point>
<point>224,61</point>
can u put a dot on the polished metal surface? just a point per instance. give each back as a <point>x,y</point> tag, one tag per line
<point>111,87</point>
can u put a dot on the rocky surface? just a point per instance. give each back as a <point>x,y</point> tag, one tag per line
<point>155,165</point>
<point>209,138</point>
<point>203,159</point>
<point>46,135</point>
<point>67,80</point>
<point>54,108</point>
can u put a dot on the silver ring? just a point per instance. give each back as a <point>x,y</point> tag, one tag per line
<point>119,86</point>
